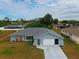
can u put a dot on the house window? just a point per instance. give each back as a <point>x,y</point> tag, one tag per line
<point>38,41</point>
<point>56,41</point>
<point>29,37</point>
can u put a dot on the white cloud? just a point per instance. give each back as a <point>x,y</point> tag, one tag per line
<point>37,8</point>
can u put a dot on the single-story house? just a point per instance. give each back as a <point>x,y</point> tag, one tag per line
<point>72,32</point>
<point>12,27</point>
<point>39,37</point>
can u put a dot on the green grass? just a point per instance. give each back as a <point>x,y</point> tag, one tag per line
<point>1,31</point>
<point>20,50</point>
<point>7,51</point>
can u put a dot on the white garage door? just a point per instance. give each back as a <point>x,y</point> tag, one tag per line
<point>48,42</point>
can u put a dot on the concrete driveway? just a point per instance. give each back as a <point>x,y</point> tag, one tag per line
<point>54,52</point>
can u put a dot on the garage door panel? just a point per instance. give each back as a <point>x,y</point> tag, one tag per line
<point>48,42</point>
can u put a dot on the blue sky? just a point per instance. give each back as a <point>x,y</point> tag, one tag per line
<point>30,9</point>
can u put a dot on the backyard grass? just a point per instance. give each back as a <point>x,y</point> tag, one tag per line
<point>70,48</point>
<point>18,50</point>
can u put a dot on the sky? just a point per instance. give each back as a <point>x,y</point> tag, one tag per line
<point>30,9</point>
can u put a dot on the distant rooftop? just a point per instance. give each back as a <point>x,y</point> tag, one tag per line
<point>13,27</point>
<point>72,30</point>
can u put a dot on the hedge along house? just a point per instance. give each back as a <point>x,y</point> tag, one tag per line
<point>39,37</point>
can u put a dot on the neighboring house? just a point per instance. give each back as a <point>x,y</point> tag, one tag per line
<point>39,37</point>
<point>12,27</point>
<point>72,32</point>
<point>59,26</point>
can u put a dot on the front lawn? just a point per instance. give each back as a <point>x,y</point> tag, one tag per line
<point>6,51</point>
<point>19,50</point>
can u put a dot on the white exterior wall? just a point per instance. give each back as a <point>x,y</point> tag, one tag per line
<point>23,38</point>
<point>49,37</point>
<point>61,42</point>
<point>35,42</point>
<point>13,38</point>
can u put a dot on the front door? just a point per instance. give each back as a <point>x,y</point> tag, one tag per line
<point>56,41</point>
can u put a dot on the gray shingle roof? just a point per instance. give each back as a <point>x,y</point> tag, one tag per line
<point>34,32</point>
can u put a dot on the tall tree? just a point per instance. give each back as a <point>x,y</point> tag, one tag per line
<point>47,20</point>
<point>55,21</point>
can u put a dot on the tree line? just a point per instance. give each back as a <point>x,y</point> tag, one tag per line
<point>46,20</point>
